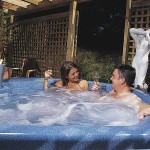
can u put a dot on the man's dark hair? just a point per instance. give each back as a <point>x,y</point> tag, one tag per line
<point>128,73</point>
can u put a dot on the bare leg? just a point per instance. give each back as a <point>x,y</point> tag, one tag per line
<point>142,73</point>
<point>135,65</point>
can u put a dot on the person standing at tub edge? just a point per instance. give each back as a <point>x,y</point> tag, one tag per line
<point>140,60</point>
<point>70,77</point>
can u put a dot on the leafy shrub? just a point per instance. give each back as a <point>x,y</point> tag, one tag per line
<point>91,61</point>
<point>6,36</point>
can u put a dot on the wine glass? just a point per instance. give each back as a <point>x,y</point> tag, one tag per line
<point>96,76</point>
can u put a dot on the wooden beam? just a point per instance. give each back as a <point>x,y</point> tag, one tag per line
<point>45,5</point>
<point>53,16</point>
<point>81,1</point>
<point>71,31</point>
<point>126,32</point>
<point>11,19</point>
<point>17,3</point>
<point>55,2</point>
<point>140,3</point>
<point>9,6</point>
<point>35,2</point>
<point>13,5</point>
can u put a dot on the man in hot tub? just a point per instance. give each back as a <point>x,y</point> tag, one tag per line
<point>122,82</point>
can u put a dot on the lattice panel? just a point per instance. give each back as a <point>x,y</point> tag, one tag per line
<point>44,39</point>
<point>140,18</point>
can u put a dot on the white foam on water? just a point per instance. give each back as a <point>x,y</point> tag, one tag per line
<point>65,107</point>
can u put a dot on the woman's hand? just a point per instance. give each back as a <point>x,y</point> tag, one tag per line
<point>48,74</point>
<point>95,86</point>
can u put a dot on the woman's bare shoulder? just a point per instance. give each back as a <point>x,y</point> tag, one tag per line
<point>58,83</point>
<point>84,81</point>
<point>84,84</point>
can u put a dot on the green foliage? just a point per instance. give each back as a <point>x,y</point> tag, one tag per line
<point>92,61</point>
<point>6,33</point>
<point>5,27</point>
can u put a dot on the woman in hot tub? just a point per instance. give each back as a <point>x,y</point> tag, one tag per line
<point>70,77</point>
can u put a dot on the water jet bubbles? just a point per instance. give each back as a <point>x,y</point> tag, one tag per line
<point>64,107</point>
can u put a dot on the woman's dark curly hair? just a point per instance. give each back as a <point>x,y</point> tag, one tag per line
<point>65,69</point>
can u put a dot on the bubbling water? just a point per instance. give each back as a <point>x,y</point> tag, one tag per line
<point>59,106</point>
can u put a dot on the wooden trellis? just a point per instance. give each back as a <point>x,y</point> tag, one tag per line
<point>140,18</point>
<point>43,38</point>
<point>50,40</point>
<point>137,16</point>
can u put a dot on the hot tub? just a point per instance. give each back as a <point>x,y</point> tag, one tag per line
<point>66,137</point>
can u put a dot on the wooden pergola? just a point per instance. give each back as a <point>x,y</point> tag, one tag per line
<point>27,7</point>
<point>59,41</point>
<point>23,7</point>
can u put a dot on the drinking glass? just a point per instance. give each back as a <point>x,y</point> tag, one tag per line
<point>96,76</point>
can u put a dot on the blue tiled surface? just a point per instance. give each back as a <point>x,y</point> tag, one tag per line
<point>72,137</point>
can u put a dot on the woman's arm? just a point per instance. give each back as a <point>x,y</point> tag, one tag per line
<point>45,83</point>
<point>133,33</point>
<point>137,31</point>
<point>85,84</point>
<point>47,75</point>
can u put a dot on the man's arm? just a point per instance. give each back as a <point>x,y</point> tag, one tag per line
<point>144,111</point>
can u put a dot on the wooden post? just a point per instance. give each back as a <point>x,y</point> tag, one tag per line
<point>71,31</point>
<point>11,18</point>
<point>9,46</point>
<point>76,35</point>
<point>126,32</point>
